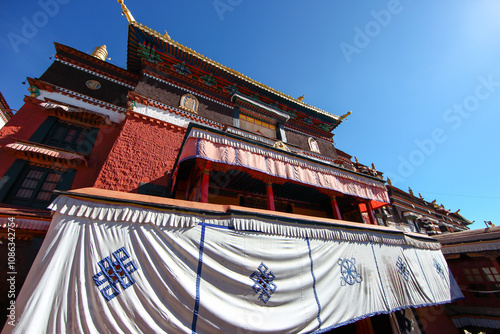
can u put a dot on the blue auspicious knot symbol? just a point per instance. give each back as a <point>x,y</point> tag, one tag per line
<point>114,272</point>
<point>439,269</point>
<point>349,273</point>
<point>403,268</point>
<point>263,282</point>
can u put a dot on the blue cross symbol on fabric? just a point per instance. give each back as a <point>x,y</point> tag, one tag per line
<point>114,273</point>
<point>263,282</point>
<point>403,268</point>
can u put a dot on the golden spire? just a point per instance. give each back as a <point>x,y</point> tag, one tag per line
<point>300,98</point>
<point>100,52</point>
<point>126,12</point>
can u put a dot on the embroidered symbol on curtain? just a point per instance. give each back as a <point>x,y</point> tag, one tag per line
<point>263,282</point>
<point>349,273</point>
<point>439,269</point>
<point>114,273</point>
<point>405,324</point>
<point>403,268</point>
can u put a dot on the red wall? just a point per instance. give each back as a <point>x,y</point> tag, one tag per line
<point>435,321</point>
<point>144,152</point>
<point>21,126</point>
<point>86,176</point>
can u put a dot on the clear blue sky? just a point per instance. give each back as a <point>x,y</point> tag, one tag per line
<point>421,77</point>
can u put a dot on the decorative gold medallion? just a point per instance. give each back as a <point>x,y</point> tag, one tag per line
<point>92,84</point>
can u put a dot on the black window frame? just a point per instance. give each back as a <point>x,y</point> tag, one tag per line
<point>54,132</point>
<point>16,176</point>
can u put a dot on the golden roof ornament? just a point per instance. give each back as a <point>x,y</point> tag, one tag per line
<point>373,166</point>
<point>356,159</point>
<point>410,191</point>
<point>166,35</point>
<point>126,12</point>
<point>389,181</point>
<point>420,195</point>
<point>100,52</point>
<point>300,98</point>
<point>344,116</point>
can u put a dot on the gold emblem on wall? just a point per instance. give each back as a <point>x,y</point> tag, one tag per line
<point>93,84</point>
<point>189,103</point>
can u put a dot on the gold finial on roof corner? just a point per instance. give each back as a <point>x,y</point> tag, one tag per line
<point>389,181</point>
<point>300,98</point>
<point>457,211</point>
<point>100,52</point>
<point>126,12</point>
<point>410,191</point>
<point>356,159</point>
<point>344,116</point>
<point>420,195</point>
<point>373,166</point>
<point>166,35</point>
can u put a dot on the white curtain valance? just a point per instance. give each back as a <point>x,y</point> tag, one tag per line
<point>108,211</point>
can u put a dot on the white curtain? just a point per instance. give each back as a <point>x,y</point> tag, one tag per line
<point>212,278</point>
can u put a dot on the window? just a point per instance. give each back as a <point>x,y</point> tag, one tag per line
<point>483,279</point>
<point>189,103</point>
<point>260,126</point>
<point>67,136</point>
<point>34,187</point>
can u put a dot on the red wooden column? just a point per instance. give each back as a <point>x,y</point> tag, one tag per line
<point>270,196</point>
<point>336,210</point>
<point>204,183</point>
<point>364,326</point>
<point>369,209</point>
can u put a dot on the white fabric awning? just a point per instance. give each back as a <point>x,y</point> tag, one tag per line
<point>218,148</point>
<point>101,270</point>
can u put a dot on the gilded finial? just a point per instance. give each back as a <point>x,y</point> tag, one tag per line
<point>389,181</point>
<point>126,12</point>
<point>457,211</point>
<point>420,195</point>
<point>410,191</point>
<point>100,52</point>
<point>356,159</point>
<point>344,116</point>
<point>373,166</point>
<point>300,98</point>
<point>166,35</point>
<point>489,223</point>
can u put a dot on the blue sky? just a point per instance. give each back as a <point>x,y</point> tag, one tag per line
<point>421,77</point>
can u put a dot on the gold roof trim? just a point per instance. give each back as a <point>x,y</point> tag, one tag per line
<point>227,69</point>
